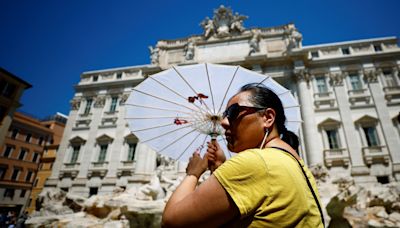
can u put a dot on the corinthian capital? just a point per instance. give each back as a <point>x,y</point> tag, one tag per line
<point>123,98</point>
<point>75,103</point>
<point>371,75</point>
<point>302,74</point>
<point>336,78</point>
<point>100,101</point>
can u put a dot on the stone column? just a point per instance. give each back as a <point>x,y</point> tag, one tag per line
<point>358,168</point>
<point>86,155</point>
<point>314,156</point>
<point>62,150</point>
<point>382,110</point>
<point>118,145</point>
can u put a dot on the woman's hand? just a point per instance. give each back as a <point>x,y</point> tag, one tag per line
<point>197,165</point>
<point>215,155</point>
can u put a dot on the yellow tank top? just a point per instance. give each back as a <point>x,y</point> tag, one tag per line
<point>269,189</point>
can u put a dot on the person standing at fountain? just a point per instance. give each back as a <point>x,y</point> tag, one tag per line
<point>265,185</point>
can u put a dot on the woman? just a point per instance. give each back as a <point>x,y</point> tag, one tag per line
<point>265,185</point>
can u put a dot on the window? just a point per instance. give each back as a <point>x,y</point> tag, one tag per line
<point>22,194</point>
<point>9,192</point>
<point>75,153</point>
<point>40,140</point>
<point>113,105</point>
<point>36,182</point>
<point>383,179</point>
<point>377,47</point>
<point>15,174</point>
<point>8,89</point>
<point>371,136</point>
<point>22,154</point>
<point>346,51</point>
<point>14,133</point>
<point>314,54</point>
<point>119,75</point>
<point>321,84</point>
<point>389,79</point>
<point>35,157</point>
<point>131,151</point>
<point>64,189</point>
<point>103,153</point>
<point>95,78</point>
<point>3,171</point>
<point>355,82</point>
<point>28,137</point>
<point>333,139</point>
<point>7,151</point>
<point>28,176</point>
<point>93,191</point>
<point>88,106</point>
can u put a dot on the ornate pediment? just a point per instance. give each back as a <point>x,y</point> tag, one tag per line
<point>77,140</point>
<point>224,23</point>
<point>329,122</point>
<point>366,119</point>
<point>104,139</point>
<point>131,138</point>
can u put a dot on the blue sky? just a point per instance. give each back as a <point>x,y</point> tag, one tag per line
<point>50,43</point>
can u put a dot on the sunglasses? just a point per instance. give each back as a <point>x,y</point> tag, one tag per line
<point>233,111</point>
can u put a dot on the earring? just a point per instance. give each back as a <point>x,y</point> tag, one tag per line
<point>265,138</point>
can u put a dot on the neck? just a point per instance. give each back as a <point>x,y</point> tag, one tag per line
<point>269,141</point>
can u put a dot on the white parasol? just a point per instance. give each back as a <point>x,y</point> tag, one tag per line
<point>178,110</point>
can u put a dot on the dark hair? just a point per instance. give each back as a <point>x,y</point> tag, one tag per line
<point>261,96</point>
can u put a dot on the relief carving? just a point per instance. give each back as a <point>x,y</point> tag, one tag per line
<point>224,23</point>
<point>100,101</point>
<point>75,103</point>
<point>336,78</point>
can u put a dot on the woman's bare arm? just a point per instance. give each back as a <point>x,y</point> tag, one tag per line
<point>208,205</point>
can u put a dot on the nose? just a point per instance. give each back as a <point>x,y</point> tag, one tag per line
<point>225,123</point>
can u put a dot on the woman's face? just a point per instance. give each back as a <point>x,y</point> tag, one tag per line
<point>246,131</point>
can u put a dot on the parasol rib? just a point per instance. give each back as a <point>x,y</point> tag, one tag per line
<point>159,117</point>
<point>179,138</point>
<point>287,91</point>
<point>187,83</point>
<point>294,121</point>
<point>166,133</point>
<point>157,108</point>
<point>160,98</point>
<point>180,95</point>
<point>154,127</point>
<point>291,106</point>
<point>209,85</point>
<point>229,86</point>
<point>194,139</point>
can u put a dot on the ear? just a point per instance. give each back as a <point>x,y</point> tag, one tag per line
<point>268,117</point>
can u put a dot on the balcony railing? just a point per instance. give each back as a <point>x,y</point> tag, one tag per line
<point>98,169</point>
<point>324,100</point>
<point>375,154</point>
<point>359,96</point>
<point>336,157</point>
<point>392,93</point>
<point>69,170</point>
<point>127,168</point>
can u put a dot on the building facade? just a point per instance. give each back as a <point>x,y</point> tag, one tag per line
<point>56,124</point>
<point>349,94</point>
<point>11,90</point>
<point>19,161</point>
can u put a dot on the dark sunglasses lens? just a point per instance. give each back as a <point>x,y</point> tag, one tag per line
<point>231,112</point>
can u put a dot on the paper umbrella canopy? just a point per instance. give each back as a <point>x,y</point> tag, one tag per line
<point>178,110</point>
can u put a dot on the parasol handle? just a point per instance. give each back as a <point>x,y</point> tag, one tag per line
<point>213,137</point>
